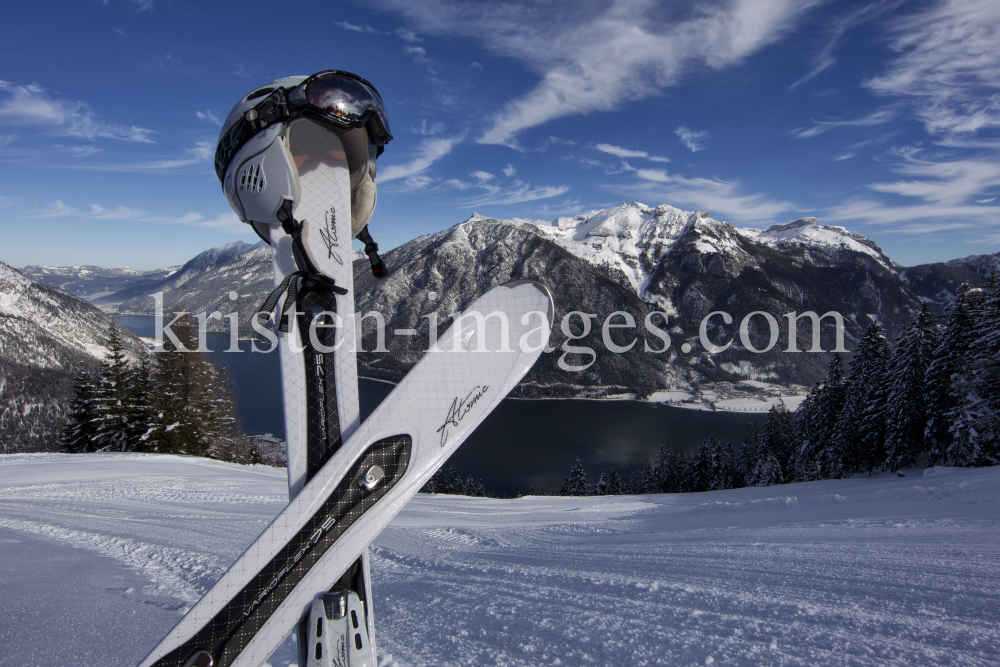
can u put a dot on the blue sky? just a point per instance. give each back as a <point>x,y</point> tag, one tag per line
<point>882,117</point>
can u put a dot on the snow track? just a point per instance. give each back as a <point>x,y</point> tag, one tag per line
<point>873,571</point>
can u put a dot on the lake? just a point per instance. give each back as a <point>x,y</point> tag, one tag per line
<point>523,443</point>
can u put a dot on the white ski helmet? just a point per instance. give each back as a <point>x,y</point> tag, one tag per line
<point>252,156</point>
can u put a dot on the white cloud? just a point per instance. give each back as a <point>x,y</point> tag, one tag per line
<point>509,171</point>
<point>879,117</point>
<point>949,182</point>
<point>722,198</point>
<point>209,116</point>
<point>357,28</point>
<point>941,192</point>
<point>407,35</point>
<point>79,151</point>
<point>516,193</point>
<point>552,141</point>
<point>693,139</point>
<point>58,209</point>
<point>625,152</point>
<point>120,213</point>
<point>141,5</point>
<point>227,222</point>
<point>491,192</point>
<point>418,53</point>
<point>31,107</point>
<point>602,56</point>
<point>918,218</point>
<point>202,153</point>
<point>429,152</point>
<point>430,129</point>
<point>949,57</point>
<point>825,59</point>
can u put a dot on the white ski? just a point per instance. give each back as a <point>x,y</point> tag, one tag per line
<point>330,523</point>
<point>313,431</point>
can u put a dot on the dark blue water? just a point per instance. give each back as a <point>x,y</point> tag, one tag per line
<point>521,444</point>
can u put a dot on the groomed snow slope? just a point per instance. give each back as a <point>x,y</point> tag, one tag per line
<point>102,553</point>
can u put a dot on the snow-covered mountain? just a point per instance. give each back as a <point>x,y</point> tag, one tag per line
<point>937,283</point>
<point>204,283</point>
<point>633,241</point>
<point>94,282</point>
<point>634,259</point>
<point>631,258</point>
<point>45,336</point>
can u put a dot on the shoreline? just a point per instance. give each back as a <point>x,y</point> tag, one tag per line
<point>701,406</point>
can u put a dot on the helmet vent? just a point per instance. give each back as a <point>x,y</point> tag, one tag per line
<point>252,178</point>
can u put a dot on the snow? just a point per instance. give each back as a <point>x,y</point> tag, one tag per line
<point>102,553</point>
<point>808,231</point>
<point>671,396</point>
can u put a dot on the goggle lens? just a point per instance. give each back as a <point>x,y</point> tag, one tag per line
<point>342,97</point>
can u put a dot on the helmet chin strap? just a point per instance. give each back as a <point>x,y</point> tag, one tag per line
<point>371,249</point>
<point>307,278</point>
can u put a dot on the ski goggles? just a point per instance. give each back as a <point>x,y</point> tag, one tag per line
<point>339,99</point>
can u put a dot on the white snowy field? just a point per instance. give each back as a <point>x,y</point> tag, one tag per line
<point>101,554</point>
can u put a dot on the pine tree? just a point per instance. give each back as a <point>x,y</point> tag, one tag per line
<point>830,457</point>
<point>576,483</point>
<point>855,434</point>
<point>453,481</point>
<point>220,427</point>
<point>751,451</point>
<point>906,410</point>
<point>195,403</point>
<point>950,359</point>
<point>982,395</point>
<point>669,470</point>
<point>778,437</point>
<point>473,488</point>
<point>708,470</point>
<point>79,434</point>
<point>734,476</point>
<point>804,462</point>
<point>642,480</point>
<point>609,484</point>
<point>140,409</point>
<point>767,470</point>
<point>112,396</point>
<point>819,455</point>
<point>436,483</point>
<point>871,452</point>
<point>175,427</point>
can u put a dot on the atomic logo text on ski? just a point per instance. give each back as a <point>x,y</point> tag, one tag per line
<point>459,409</point>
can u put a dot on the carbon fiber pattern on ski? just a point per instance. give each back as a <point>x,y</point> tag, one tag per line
<point>323,436</point>
<point>228,633</point>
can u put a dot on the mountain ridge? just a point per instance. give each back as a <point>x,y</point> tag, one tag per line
<point>631,259</point>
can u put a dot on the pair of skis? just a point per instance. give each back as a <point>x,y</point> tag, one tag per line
<point>309,569</point>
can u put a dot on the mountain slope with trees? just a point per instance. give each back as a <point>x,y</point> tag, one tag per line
<point>46,337</point>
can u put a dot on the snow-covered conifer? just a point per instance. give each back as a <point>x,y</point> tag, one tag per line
<point>950,359</point>
<point>80,431</point>
<point>858,432</point>
<point>906,412</point>
<point>669,470</point>
<point>112,396</point>
<point>576,483</point>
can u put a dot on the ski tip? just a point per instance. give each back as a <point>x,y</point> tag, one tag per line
<point>541,287</point>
